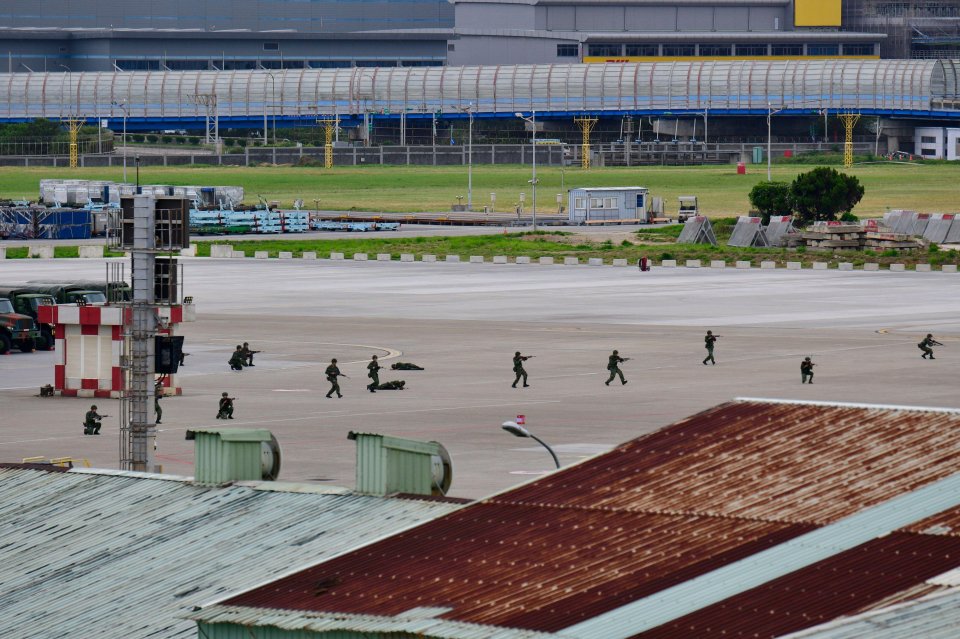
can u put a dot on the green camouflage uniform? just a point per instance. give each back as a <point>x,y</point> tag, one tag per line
<point>806,372</point>
<point>373,372</point>
<point>708,342</point>
<point>333,373</point>
<point>518,361</point>
<point>613,365</point>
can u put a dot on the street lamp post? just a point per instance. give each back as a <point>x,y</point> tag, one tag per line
<point>519,431</point>
<point>469,110</point>
<point>533,144</point>
<point>123,107</point>
<point>770,112</point>
<point>136,161</point>
<point>273,97</point>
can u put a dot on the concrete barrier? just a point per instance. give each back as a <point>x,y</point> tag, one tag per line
<point>820,266</point>
<point>238,254</point>
<point>476,259</point>
<point>189,252</point>
<point>499,259</point>
<point>546,260</point>
<point>428,258</point>
<point>768,264</point>
<point>360,257</point>
<point>336,256</point>
<point>571,261</point>
<point>718,264</point>
<point>845,266</point>
<point>523,259</point>
<point>285,255</point>
<point>794,266</point>
<point>221,250</point>
<point>871,266</point>
<point>383,257</point>
<point>595,261</point>
<point>923,268</point>
<point>406,257</point>
<point>693,264</point>
<point>308,255</point>
<point>261,255</point>
<point>743,264</point>
<point>619,262</point>
<point>3,253</point>
<point>91,251</point>
<point>452,258</point>
<point>897,268</point>
<point>669,264</point>
<point>949,268</point>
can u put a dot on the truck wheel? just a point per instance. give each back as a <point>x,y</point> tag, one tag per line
<point>45,341</point>
<point>4,344</point>
<point>26,345</point>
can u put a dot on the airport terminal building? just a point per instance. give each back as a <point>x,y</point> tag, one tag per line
<point>170,35</point>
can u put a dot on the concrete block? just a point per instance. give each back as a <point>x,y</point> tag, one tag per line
<point>499,259</point>
<point>452,258</point>
<point>383,257</point>
<point>794,266</point>
<point>91,251</point>
<point>718,264</point>
<point>45,252</point>
<point>261,255</point>
<point>897,268</point>
<point>336,256</point>
<point>3,253</point>
<point>669,264</point>
<point>428,258</point>
<point>546,260</point>
<point>768,264</point>
<point>360,257</point>
<point>406,257</point>
<point>570,261</point>
<point>923,268</point>
<point>845,266</point>
<point>693,264</point>
<point>189,252</point>
<point>820,266</point>
<point>238,254</point>
<point>285,255</point>
<point>949,268</point>
<point>476,259</point>
<point>221,250</point>
<point>523,259</point>
<point>309,255</point>
<point>619,262</point>
<point>871,266</point>
<point>743,264</point>
<point>595,261</point>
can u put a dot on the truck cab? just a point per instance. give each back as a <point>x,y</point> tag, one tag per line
<point>26,300</point>
<point>16,329</point>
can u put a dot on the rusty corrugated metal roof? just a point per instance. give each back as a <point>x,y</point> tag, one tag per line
<point>655,512</point>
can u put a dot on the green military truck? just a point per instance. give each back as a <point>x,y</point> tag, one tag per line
<point>16,329</point>
<point>73,290</point>
<point>26,299</point>
<point>69,294</point>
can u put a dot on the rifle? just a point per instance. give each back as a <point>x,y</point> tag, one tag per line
<point>626,359</point>
<point>935,343</point>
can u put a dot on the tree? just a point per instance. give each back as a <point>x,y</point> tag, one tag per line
<point>771,198</point>
<point>823,193</point>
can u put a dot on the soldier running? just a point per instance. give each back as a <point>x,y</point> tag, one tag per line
<point>518,361</point>
<point>708,341</point>
<point>91,421</point>
<point>613,365</point>
<point>806,371</point>
<point>927,346</point>
<point>225,410</point>
<point>332,374</point>
<point>373,372</point>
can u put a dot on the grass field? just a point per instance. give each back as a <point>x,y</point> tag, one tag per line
<point>928,188</point>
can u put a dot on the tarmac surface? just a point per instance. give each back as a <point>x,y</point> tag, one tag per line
<point>462,322</point>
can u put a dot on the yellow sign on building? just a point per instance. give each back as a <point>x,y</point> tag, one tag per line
<point>816,13</point>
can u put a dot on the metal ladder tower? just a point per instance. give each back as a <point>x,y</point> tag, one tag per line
<point>212,129</point>
<point>73,127</point>
<point>330,125</point>
<point>586,126</point>
<point>849,122</point>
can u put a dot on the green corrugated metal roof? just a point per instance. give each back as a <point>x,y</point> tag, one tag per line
<point>234,434</point>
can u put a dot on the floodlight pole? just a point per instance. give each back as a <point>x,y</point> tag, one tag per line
<point>770,112</point>
<point>519,431</point>
<point>123,107</point>
<point>533,145</point>
<point>469,110</point>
